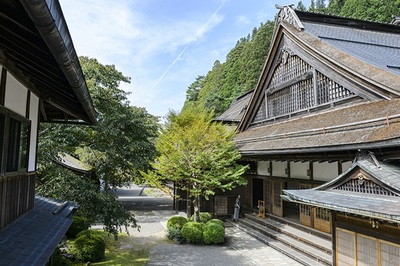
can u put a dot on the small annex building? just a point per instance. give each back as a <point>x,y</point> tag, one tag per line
<point>324,122</point>
<point>41,80</point>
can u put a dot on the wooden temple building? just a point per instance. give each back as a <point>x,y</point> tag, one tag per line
<point>41,81</point>
<point>321,132</point>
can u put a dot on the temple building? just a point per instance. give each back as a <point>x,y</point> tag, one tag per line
<point>321,132</point>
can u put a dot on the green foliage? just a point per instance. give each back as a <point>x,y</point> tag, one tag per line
<point>118,147</point>
<point>193,232</point>
<point>216,221</point>
<point>175,234</point>
<point>176,222</point>
<point>89,247</point>
<point>196,154</point>
<point>79,224</point>
<point>237,75</point>
<point>213,233</point>
<point>373,10</point>
<point>56,258</point>
<point>204,217</point>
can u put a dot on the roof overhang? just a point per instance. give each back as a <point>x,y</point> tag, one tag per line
<point>37,49</point>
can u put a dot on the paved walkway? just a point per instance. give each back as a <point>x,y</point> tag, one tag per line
<point>152,213</point>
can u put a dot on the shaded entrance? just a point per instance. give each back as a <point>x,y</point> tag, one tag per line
<point>258,191</point>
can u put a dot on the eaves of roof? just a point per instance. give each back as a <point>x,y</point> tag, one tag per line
<point>36,48</point>
<point>359,126</point>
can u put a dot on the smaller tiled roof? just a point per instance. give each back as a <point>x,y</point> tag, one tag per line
<point>32,239</point>
<point>237,109</point>
<point>364,204</point>
<point>357,125</point>
<point>72,163</point>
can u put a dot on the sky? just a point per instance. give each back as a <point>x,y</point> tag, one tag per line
<point>162,45</point>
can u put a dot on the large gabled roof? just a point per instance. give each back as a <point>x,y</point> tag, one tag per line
<point>365,55</point>
<point>37,49</point>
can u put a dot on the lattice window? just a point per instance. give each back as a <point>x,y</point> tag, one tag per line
<point>323,214</point>
<point>305,210</point>
<point>390,253</point>
<point>261,114</point>
<point>364,186</point>
<point>292,88</point>
<point>291,67</point>
<point>329,91</point>
<point>345,247</point>
<point>367,251</point>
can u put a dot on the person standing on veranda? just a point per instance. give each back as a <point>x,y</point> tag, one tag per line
<point>236,211</point>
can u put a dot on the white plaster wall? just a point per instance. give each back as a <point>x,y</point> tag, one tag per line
<point>262,167</point>
<point>33,116</point>
<point>346,165</point>
<point>16,95</point>
<point>278,169</point>
<point>299,170</point>
<point>325,171</point>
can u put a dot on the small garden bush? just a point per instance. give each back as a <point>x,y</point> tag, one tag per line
<point>89,246</point>
<point>176,222</point>
<point>193,232</point>
<point>213,233</point>
<point>176,235</point>
<point>217,221</point>
<point>204,217</point>
<point>79,224</point>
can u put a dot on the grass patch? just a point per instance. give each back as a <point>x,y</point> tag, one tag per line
<point>124,251</point>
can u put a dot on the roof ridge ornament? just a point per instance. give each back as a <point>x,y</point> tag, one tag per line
<point>288,15</point>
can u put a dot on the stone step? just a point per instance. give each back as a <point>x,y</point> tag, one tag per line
<point>302,233</point>
<point>281,247</point>
<point>291,244</point>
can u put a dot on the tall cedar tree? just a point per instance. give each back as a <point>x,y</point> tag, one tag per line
<point>197,155</point>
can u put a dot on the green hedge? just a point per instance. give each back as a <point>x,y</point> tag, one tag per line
<point>193,232</point>
<point>213,233</point>
<point>217,221</point>
<point>79,223</point>
<point>89,246</point>
<point>176,222</point>
<point>204,217</point>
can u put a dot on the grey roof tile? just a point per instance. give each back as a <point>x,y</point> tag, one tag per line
<point>32,239</point>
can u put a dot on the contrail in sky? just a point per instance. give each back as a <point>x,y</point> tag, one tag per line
<point>199,32</point>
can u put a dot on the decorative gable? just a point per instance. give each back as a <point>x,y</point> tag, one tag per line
<point>361,183</point>
<point>297,84</point>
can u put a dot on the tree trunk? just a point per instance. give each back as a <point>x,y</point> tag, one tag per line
<point>196,209</point>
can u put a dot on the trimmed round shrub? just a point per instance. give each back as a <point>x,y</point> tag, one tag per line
<point>193,232</point>
<point>79,223</point>
<point>90,247</point>
<point>89,233</point>
<point>217,221</point>
<point>204,217</point>
<point>176,222</point>
<point>213,233</point>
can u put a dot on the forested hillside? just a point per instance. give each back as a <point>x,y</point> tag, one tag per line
<point>243,65</point>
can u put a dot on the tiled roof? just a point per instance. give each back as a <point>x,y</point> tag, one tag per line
<point>32,239</point>
<point>355,125</point>
<point>381,49</point>
<point>343,201</point>
<point>237,109</point>
<point>365,204</point>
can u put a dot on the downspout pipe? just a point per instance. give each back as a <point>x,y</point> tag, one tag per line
<point>49,20</point>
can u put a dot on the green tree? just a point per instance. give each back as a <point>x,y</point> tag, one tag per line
<point>373,10</point>
<point>301,6</point>
<point>118,147</point>
<point>197,155</point>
